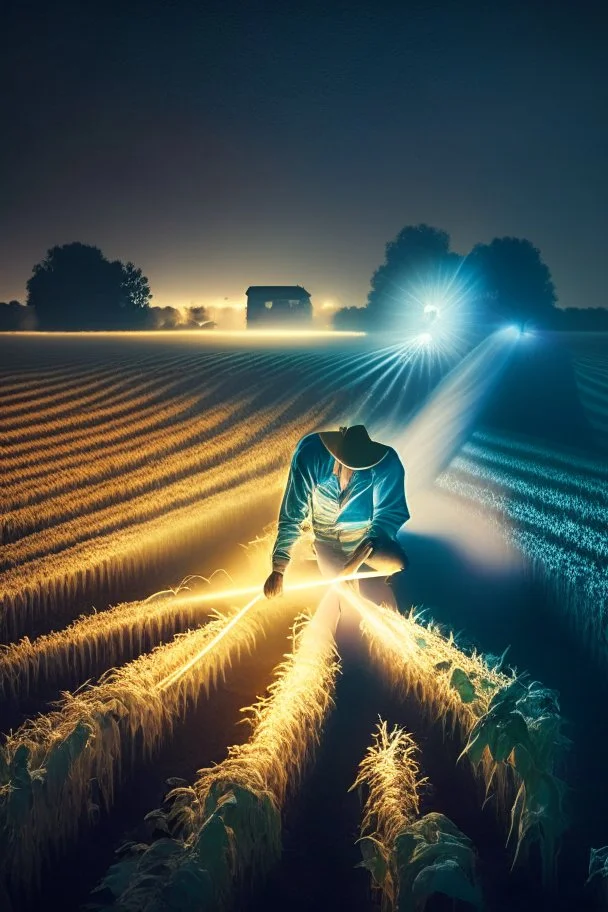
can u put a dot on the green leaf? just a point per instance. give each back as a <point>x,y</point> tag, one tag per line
<point>446,877</point>
<point>118,877</point>
<point>598,863</point>
<point>190,889</point>
<point>374,858</point>
<point>463,685</point>
<point>213,848</point>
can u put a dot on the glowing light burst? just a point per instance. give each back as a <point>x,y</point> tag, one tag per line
<point>443,303</point>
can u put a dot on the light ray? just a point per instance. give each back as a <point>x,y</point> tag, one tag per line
<point>298,587</point>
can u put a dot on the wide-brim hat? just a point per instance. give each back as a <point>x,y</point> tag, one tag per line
<point>353,447</point>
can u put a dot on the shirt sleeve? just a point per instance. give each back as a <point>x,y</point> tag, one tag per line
<point>294,509</point>
<point>390,507</point>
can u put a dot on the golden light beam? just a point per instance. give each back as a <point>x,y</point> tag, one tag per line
<point>180,672</point>
<point>254,590</point>
<point>297,587</point>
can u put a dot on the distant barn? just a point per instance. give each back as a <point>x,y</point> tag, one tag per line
<point>278,305</point>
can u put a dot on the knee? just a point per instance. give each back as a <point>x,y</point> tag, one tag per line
<point>389,557</point>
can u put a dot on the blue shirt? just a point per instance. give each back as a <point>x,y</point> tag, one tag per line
<point>372,505</point>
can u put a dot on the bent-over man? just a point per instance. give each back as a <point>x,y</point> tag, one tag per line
<point>354,490</point>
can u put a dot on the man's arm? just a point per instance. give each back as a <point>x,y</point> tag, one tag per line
<point>293,512</point>
<point>390,507</point>
<point>390,512</point>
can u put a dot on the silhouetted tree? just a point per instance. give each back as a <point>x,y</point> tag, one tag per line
<point>418,261</point>
<point>351,319</point>
<point>514,282</point>
<point>76,287</point>
<point>16,317</point>
<point>135,288</point>
<point>163,318</point>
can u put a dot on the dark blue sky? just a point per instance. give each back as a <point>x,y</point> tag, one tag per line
<point>222,145</point>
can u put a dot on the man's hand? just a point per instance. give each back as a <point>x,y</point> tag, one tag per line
<point>361,553</point>
<point>273,586</point>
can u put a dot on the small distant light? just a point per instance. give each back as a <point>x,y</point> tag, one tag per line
<point>431,311</point>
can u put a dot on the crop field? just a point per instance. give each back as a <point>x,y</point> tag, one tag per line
<point>591,368</point>
<point>174,741</point>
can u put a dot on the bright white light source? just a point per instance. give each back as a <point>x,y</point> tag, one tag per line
<point>424,338</point>
<point>513,330</point>
<point>431,312</point>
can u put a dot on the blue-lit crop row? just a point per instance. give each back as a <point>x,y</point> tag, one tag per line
<point>555,516</point>
<point>592,381</point>
<point>568,510</point>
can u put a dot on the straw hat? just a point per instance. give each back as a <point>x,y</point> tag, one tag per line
<point>353,447</point>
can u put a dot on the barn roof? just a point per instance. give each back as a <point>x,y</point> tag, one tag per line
<point>293,291</point>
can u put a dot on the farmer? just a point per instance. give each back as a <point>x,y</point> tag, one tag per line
<point>353,487</point>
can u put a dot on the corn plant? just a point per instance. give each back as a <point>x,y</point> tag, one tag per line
<point>409,858</point>
<point>522,730</point>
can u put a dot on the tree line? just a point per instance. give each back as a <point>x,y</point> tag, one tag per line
<point>505,281</point>
<point>76,288</point>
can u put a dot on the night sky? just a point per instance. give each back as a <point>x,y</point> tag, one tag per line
<point>222,145</point>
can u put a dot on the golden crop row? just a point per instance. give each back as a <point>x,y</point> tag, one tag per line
<point>97,731</point>
<point>89,474</point>
<point>22,386</point>
<point>75,384</point>
<point>125,485</point>
<point>198,484</point>
<point>136,534</point>
<point>18,479</point>
<point>28,451</point>
<point>131,394</point>
<point>40,457</point>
